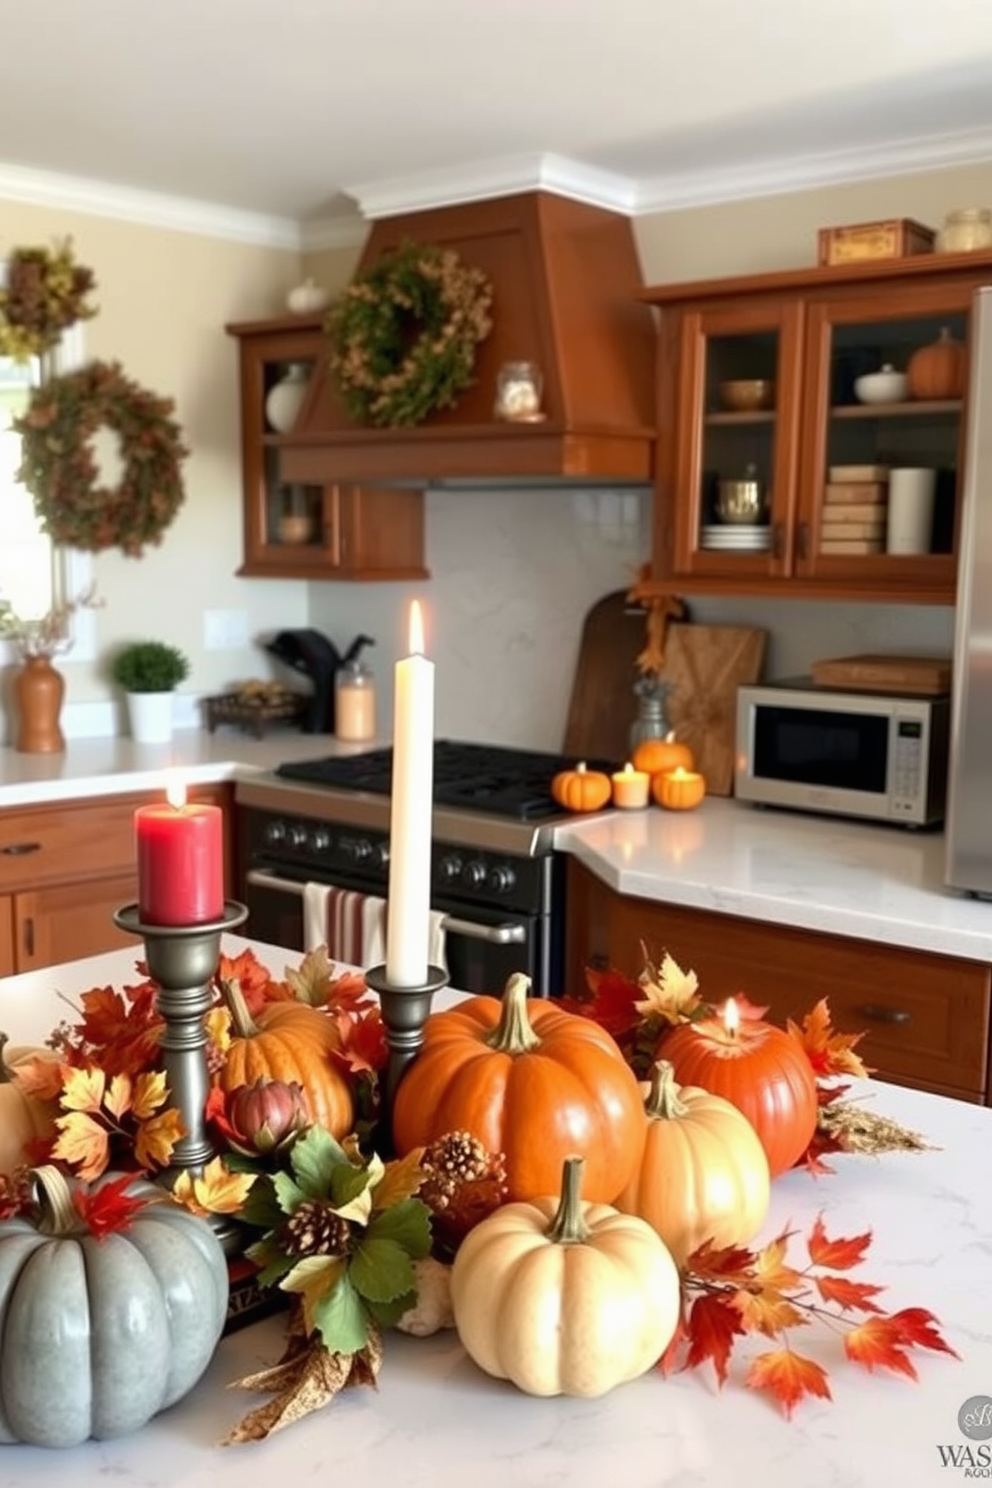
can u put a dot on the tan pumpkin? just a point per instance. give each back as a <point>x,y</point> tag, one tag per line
<point>582,789</point>
<point>938,371</point>
<point>658,756</point>
<point>564,1297</point>
<point>289,1041</point>
<point>23,1118</point>
<point>703,1174</point>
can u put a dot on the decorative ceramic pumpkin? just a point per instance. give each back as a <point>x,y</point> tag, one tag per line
<point>938,370</point>
<point>291,1042</point>
<point>97,1335</point>
<point>307,298</point>
<point>582,789</point>
<point>658,756</point>
<point>678,789</point>
<point>23,1118</point>
<point>529,1080</point>
<point>760,1070</point>
<point>703,1174</point>
<point>564,1297</point>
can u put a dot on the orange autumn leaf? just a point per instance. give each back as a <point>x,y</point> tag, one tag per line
<point>82,1143</point>
<point>728,1263</point>
<point>401,1180</point>
<point>711,1326</point>
<point>829,1053</point>
<point>156,1138</point>
<point>117,1097</point>
<point>881,1342</point>
<point>363,1041</point>
<point>38,1077</point>
<point>771,1273</point>
<point>749,1010</point>
<point>788,1377</point>
<point>214,1191</point>
<point>121,1031</point>
<point>767,1312</point>
<point>250,975</point>
<point>83,1089</point>
<point>850,1296</point>
<point>837,1255</point>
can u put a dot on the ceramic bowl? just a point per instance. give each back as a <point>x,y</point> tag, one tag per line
<point>885,386</point>
<point>747,394</point>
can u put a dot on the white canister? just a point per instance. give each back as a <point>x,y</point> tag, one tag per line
<point>285,397</point>
<point>354,703</point>
<point>911,501</point>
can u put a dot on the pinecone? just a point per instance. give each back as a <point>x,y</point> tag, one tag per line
<point>314,1229</point>
<point>455,1159</point>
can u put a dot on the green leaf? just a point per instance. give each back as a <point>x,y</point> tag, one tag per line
<point>314,1158</point>
<point>381,1270</point>
<point>270,1259</point>
<point>408,1223</point>
<point>388,1314</point>
<point>348,1184</point>
<point>262,1208</point>
<point>288,1194</point>
<point>341,1319</point>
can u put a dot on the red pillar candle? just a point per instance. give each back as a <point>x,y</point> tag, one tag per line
<point>180,861</point>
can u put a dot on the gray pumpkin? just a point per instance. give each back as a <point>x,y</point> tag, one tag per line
<point>99,1335</point>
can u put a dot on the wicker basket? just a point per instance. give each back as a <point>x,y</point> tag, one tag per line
<point>253,714</point>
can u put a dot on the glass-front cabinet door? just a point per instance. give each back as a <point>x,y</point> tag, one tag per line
<point>737,446</point>
<point>883,438</point>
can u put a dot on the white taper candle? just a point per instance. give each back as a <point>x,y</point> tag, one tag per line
<point>408,909</point>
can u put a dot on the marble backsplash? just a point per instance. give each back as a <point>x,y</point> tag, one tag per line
<point>514,574</point>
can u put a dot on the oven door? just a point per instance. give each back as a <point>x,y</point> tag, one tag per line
<point>482,947</point>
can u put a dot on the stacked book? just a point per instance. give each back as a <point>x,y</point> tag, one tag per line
<point>855,510</point>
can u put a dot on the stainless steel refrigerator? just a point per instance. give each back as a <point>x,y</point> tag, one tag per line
<point>969,812</point>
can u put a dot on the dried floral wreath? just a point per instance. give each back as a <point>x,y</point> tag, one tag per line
<point>59,468</point>
<point>404,334</point>
<point>45,294</point>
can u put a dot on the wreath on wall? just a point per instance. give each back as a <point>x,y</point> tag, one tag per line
<point>404,334</point>
<point>59,468</point>
<point>45,293</point>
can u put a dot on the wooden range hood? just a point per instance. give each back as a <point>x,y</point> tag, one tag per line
<point>564,277</point>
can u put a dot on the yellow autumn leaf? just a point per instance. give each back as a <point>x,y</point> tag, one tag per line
<point>215,1191</point>
<point>150,1094</point>
<point>311,980</point>
<point>83,1089</point>
<point>670,992</point>
<point>400,1180</point>
<point>768,1312</point>
<point>218,1026</point>
<point>772,1275</point>
<point>117,1097</point>
<point>82,1143</point>
<point>156,1138</point>
<point>313,1278</point>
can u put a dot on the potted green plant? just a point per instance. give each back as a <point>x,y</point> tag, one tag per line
<point>149,672</point>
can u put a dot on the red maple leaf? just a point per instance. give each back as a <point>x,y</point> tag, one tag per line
<point>363,1041</point>
<point>850,1296</point>
<point>838,1255</point>
<point>250,975</point>
<point>121,1030</point>
<point>609,1001</point>
<point>881,1342</point>
<point>788,1377</point>
<point>108,1208</point>
<point>712,1326</point>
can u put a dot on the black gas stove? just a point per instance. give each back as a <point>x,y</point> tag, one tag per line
<point>490,778</point>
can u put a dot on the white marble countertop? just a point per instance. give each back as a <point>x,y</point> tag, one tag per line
<point>437,1422</point>
<point>816,873</point>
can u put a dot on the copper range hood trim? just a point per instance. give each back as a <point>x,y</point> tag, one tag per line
<point>565,281</point>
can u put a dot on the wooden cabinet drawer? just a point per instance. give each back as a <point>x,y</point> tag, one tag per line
<point>925,1017</point>
<point>6,936</point>
<point>68,921</point>
<point>63,843</point>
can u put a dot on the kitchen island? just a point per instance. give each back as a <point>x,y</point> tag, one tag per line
<point>437,1422</point>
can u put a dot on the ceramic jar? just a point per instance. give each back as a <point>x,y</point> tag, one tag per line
<point>285,397</point>
<point>966,230</point>
<point>38,693</point>
<point>307,298</point>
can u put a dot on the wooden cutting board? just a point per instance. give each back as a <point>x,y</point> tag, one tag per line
<point>603,705</point>
<point>930,675</point>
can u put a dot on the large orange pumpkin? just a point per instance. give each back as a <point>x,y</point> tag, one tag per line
<point>289,1041</point>
<point>529,1080</point>
<point>23,1118</point>
<point>760,1070</point>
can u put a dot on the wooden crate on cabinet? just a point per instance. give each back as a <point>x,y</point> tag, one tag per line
<point>925,1016</point>
<point>65,867</point>
<point>808,333</point>
<point>311,531</point>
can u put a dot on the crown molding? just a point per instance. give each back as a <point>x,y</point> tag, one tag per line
<point>323,233</point>
<point>149,208</point>
<point>492,178</point>
<point>781,175</point>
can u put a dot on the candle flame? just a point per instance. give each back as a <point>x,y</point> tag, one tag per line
<point>416,629</point>
<point>680,772</point>
<point>731,1017</point>
<point>175,791</point>
<point>628,768</point>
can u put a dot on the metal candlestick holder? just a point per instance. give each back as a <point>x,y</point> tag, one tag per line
<point>405,1010</point>
<point>182,961</point>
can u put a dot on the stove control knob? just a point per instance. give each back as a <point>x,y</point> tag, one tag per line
<point>319,840</point>
<point>361,850</point>
<point>380,854</point>
<point>474,874</point>
<point>501,878</point>
<point>296,836</point>
<point>450,868</point>
<point>275,833</point>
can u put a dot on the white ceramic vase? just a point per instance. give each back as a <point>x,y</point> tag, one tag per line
<point>150,715</point>
<point>284,398</point>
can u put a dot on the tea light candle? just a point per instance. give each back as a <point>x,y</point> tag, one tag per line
<point>679,789</point>
<point>180,850</point>
<point>631,788</point>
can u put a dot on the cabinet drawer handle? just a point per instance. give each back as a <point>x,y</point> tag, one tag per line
<point>880,1014</point>
<point>29,936</point>
<point>20,849</point>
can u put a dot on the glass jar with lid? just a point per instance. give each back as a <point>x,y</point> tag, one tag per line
<point>966,230</point>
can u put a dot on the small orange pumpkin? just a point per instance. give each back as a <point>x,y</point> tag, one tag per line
<point>582,789</point>
<point>23,1118</point>
<point>678,789</point>
<point>289,1041</point>
<point>657,756</point>
<point>938,370</point>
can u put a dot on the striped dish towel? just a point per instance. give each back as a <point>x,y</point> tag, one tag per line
<point>352,925</point>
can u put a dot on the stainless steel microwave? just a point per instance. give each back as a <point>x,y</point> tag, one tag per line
<point>856,754</point>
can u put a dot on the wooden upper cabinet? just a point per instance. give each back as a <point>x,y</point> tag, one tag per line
<point>326,530</point>
<point>809,335</point>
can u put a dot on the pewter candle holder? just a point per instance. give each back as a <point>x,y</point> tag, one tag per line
<point>182,961</point>
<point>405,1010</point>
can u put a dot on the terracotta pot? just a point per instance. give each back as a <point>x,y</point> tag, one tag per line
<point>38,692</point>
